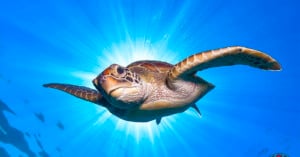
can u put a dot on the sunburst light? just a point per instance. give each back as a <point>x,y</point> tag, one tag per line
<point>124,45</point>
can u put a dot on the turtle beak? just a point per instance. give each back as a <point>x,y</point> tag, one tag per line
<point>107,82</point>
<point>95,82</point>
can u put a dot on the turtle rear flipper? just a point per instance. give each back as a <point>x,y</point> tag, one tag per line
<point>223,57</point>
<point>158,120</point>
<point>80,92</point>
<point>194,106</point>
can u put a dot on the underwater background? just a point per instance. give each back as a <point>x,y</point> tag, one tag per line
<point>251,112</point>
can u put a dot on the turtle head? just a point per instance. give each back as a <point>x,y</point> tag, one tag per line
<point>120,86</point>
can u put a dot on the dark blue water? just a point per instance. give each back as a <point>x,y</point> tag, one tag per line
<point>250,112</point>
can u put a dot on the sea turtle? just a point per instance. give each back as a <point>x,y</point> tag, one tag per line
<point>149,90</point>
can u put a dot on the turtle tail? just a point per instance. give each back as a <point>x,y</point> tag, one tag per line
<point>81,92</point>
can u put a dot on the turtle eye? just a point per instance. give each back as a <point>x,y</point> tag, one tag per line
<point>120,70</point>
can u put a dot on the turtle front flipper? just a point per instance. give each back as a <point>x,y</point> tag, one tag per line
<point>223,57</point>
<point>80,92</point>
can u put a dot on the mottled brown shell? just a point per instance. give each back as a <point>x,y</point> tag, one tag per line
<point>153,66</point>
<point>151,71</point>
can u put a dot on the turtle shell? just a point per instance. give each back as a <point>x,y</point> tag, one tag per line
<point>153,66</point>
<point>151,71</point>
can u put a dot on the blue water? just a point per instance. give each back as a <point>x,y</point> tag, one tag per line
<point>250,112</point>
